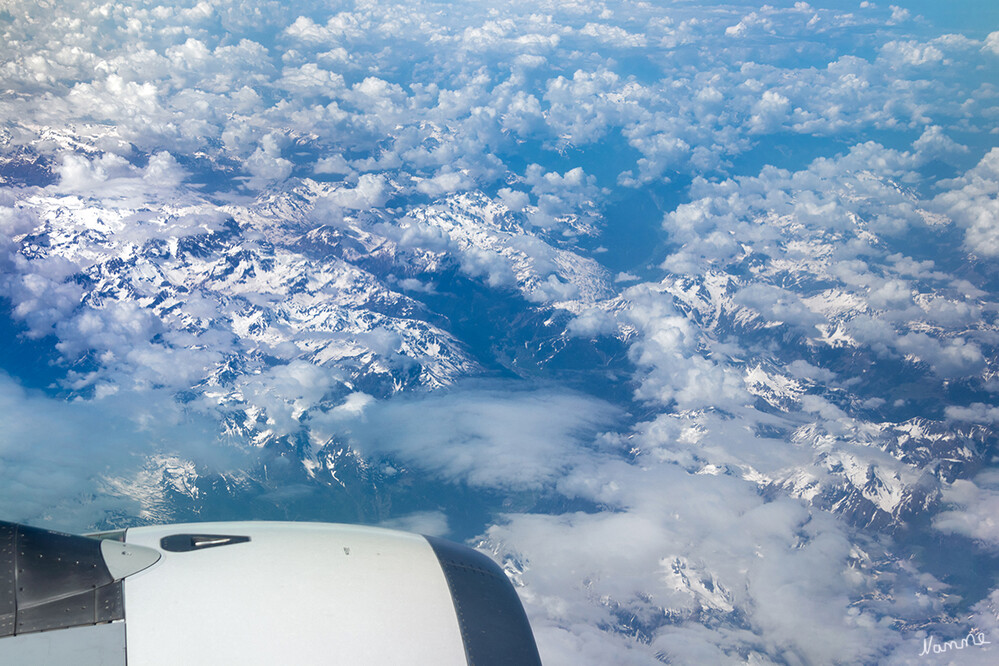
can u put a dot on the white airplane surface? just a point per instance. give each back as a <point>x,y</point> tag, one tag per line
<point>254,593</point>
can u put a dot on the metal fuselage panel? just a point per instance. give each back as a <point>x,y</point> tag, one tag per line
<point>95,645</point>
<point>312,593</point>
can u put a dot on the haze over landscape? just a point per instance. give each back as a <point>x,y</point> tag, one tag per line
<point>686,313</point>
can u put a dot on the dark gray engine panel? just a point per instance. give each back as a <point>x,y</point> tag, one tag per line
<point>493,623</point>
<point>50,580</point>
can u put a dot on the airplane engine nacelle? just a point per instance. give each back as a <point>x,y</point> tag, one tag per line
<point>254,593</point>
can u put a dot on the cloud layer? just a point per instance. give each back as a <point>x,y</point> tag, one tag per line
<point>361,253</point>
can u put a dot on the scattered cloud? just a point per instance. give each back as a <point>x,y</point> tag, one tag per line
<point>62,459</point>
<point>973,503</point>
<point>487,438</point>
<point>243,225</point>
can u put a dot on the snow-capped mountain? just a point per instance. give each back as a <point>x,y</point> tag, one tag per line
<point>686,314</point>
<point>219,299</point>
